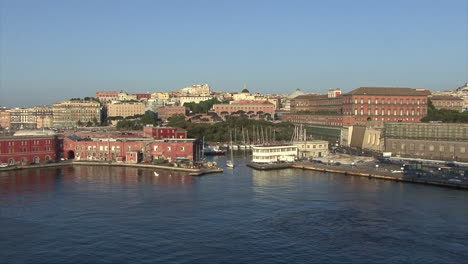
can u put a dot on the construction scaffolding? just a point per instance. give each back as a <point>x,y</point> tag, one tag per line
<point>427,131</point>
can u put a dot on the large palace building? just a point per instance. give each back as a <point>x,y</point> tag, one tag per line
<point>362,104</point>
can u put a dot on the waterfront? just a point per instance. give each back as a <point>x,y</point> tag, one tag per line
<point>106,214</point>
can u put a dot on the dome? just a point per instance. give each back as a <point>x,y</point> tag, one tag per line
<point>45,132</point>
<point>245,91</point>
<point>296,93</point>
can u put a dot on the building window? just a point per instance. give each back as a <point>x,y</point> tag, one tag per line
<point>155,148</point>
<point>169,148</point>
<point>182,148</point>
<point>431,147</point>
<point>462,149</point>
<point>452,148</point>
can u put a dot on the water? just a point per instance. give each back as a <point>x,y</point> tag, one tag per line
<point>127,215</point>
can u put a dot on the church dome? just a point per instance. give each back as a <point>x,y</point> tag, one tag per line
<point>296,93</point>
<point>245,91</point>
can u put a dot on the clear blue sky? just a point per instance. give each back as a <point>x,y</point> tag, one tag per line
<point>51,51</point>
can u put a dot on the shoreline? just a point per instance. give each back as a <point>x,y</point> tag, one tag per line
<point>191,172</point>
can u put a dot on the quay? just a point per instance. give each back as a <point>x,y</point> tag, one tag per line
<point>190,171</point>
<point>379,175</point>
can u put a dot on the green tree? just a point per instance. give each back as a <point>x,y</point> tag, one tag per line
<point>149,118</point>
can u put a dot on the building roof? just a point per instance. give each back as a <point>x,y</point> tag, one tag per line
<point>247,102</point>
<point>445,97</point>
<point>45,132</point>
<point>388,91</point>
<point>311,96</point>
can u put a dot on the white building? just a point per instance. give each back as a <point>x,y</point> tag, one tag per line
<point>194,99</point>
<point>312,149</point>
<point>269,154</point>
<point>197,89</point>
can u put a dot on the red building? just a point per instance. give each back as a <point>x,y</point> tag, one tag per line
<point>142,96</point>
<point>107,97</point>
<point>363,104</point>
<point>135,150</point>
<point>28,147</point>
<point>165,112</point>
<point>164,132</point>
<point>385,104</point>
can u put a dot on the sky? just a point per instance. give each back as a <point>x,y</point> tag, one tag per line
<point>51,51</point>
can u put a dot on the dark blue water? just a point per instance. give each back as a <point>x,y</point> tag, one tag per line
<point>126,215</point>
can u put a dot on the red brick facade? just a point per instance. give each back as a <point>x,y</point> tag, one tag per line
<point>164,132</point>
<point>246,106</point>
<point>168,149</point>
<point>22,150</point>
<point>362,104</point>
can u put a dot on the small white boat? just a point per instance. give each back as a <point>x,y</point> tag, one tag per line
<point>229,164</point>
<point>156,174</point>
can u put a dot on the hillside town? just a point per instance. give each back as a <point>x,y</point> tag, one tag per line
<point>135,128</point>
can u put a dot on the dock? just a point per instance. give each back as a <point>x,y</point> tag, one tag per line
<point>190,171</point>
<point>380,176</point>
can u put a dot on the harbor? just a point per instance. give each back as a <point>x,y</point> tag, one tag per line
<point>122,213</point>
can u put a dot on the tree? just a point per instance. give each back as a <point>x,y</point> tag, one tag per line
<point>177,121</point>
<point>79,123</point>
<point>89,124</point>
<point>149,118</point>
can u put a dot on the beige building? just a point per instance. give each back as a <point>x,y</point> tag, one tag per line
<point>45,121</point>
<point>5,118</point>
<point>68,113</point>
<point>447,102</point>
<point>161,96</point>
<point>28,118</point>
<point>125,109</point>
<point>312,149</point>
